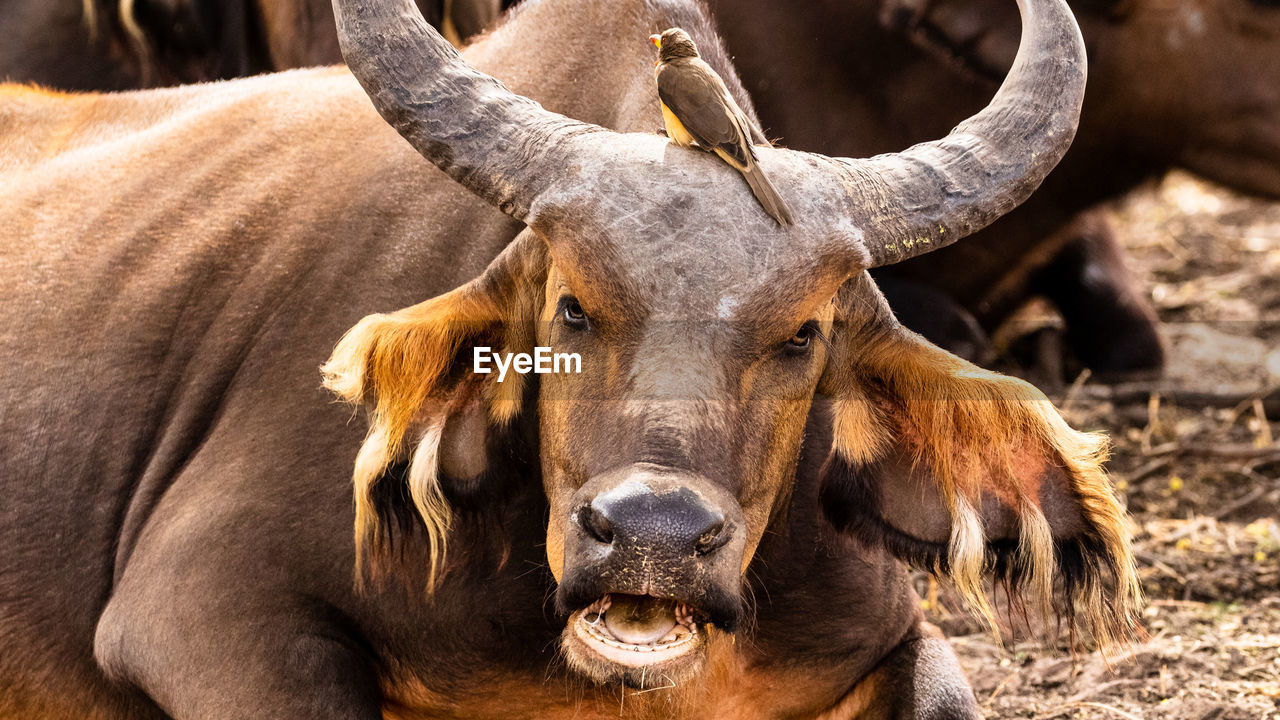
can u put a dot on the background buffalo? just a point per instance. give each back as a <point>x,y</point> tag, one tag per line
<point>1192,84</point>
<point>125,44</point>
<point>890,73</point>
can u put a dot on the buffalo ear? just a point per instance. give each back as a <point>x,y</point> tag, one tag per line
<point>971,474</point>
<point>430,415</point>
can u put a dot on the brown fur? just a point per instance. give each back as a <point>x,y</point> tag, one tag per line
<point>402,363</point>
<point>717,694</point>
<point>976,432</point>
<point>221,288</point>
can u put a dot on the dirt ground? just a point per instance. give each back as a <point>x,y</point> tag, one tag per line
<point>1197,459</point>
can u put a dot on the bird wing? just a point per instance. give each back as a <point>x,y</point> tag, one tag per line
<point>699,99</point>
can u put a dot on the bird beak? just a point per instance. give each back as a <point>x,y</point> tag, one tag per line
<point>656,40</point>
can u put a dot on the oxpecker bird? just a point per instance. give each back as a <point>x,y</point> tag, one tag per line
<point>698,109</point>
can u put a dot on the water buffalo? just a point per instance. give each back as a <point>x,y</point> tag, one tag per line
<point>1192,84</point>
<point>702,523</point>
<point>124,44</point>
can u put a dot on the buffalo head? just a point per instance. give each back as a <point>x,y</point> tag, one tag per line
<point>707,335</point>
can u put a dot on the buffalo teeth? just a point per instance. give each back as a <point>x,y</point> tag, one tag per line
<point>596,610</point>
<point>684,616</point>
<point>661,645</point>
<point>685,631</point>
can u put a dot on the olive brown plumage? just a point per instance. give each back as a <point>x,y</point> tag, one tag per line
<point>697,108</point>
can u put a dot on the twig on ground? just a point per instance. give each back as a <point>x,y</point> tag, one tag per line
<point>1073,392</point>
<point>1222,451</point>
<point>1264,438</point>
<point>1153,422</point>
<point>1067,707</point>
<point>1248,498</point>
<point>1140,392</point>
<point>1002,685</point>
<point>1098,690</point>
<point>1160,565</point>
<point>1149,468</point>
<point>1193,526</point>
<point>1160,602</point>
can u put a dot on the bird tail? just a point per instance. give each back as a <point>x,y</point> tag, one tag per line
<point>767,195</point>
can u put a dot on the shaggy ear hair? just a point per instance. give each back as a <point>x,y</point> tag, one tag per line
<point>971,474</point>
<point>411,368</point>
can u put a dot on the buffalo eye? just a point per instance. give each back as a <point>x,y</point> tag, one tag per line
<point>573,314</point>
<point>800,342</point>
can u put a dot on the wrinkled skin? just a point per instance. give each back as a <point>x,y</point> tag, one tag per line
<point>55,44</point>
<point>178,541</point>
<point>1192,84</point>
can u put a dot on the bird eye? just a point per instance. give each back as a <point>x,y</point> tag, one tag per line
<point>803,337</point>
<point>572,313</point>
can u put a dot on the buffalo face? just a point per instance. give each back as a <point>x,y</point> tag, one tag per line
<point>704,332</point>
<point>666,457</point>
<point>663,460</point>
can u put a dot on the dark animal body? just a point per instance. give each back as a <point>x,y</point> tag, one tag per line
<point>176,537</point>
<point>1187,84</point>
<point>127,44</point>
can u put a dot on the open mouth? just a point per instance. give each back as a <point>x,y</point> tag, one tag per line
<point>636,630</point>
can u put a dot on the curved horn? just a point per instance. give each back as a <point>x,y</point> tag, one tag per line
<point>503,147</point>
<point>935,193</point>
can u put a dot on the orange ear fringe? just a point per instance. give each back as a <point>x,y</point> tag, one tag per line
<point>403,365</point>
<point>401,362</point>
<point>974,431</point>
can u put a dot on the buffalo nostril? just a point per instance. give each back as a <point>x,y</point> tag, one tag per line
<point>596,525</point>
<point>713,538</point>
